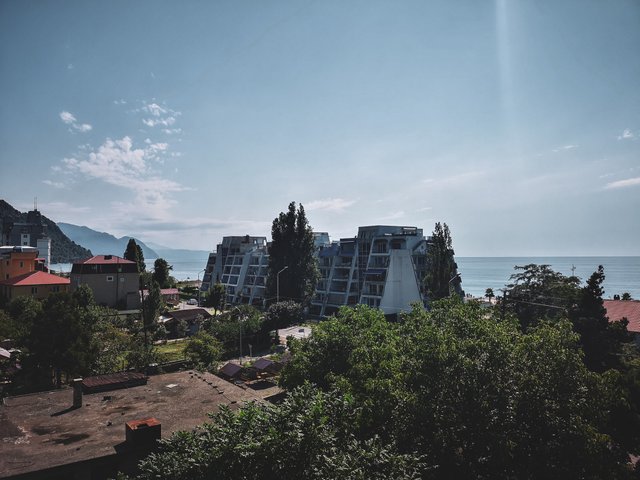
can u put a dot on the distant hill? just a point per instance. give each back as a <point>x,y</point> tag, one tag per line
<point>102,243</point>
<point>63,249</point>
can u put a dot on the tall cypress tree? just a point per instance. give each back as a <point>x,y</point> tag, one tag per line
<point>292,247</point>
<point>134,254</point>
<point>441,277</point>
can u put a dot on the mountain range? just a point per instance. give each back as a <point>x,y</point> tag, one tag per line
<point>102,243</point>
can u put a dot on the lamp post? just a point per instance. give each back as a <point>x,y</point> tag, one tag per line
<point>240,319</point>
<point>278,283</point>
<point>198,284</point>
<point>456,276</point>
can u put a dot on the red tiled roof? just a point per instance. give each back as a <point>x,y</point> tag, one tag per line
<point>36,278</point>
<point>629,309</point>
<point>102,259</point>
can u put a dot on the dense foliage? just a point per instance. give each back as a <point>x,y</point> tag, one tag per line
<point>455,392</point>
<point>292,247</point>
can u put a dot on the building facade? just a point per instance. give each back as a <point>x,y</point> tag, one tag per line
<point>31,233</point>
<point>115,282</point>
<point>34,284</point>
<point>240,264</point>
<point>383,267</point>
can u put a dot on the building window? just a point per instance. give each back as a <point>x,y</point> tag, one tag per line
<point>34,290</point>
<point>109,279</point>
<point>121,279</point>
<point>21,264</point>
<point>55,288</point>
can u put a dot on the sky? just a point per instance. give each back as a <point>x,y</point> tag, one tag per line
<point>179,122</point>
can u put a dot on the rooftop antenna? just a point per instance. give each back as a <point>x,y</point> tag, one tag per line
<point>35,203</point>
<point>573,270</point>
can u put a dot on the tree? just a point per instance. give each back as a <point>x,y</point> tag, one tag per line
<point>161,274</point>
<point>204,351</point>
<point>537,292</point>
<point>309,436</point>
<point>62,338</point>
<point>442,275</point>
<point>601,341</point>
<point>134,254</point>
<point>217,297</point>
<point>626,296</point>
<point>151,306</point>
<point>282,315</point>
<point>292,248</point>
<point>489,294</point>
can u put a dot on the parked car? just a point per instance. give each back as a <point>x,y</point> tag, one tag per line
<point>192,301</point>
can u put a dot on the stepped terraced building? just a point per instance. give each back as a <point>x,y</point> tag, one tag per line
<point>383,267</point>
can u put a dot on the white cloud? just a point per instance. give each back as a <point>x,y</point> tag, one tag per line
<point>424,209</point>
<point>53,184</point>
<point>629,182</point>
<point>393,216</point>
<point>565,147</point>
<point>120,163</point>
<point>160,116</point>
<point>69,119</point>
<point>151,122</point>
<point>626,135</point>
<point>329,204</point>
<point>172,131</point>
<point>155,109</point>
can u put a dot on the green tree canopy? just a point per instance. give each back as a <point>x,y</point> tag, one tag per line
<point>161,273</point>
<point>134,253</point>
<point>217,297</point>
<point>204,351</point>
<point>292,248</point>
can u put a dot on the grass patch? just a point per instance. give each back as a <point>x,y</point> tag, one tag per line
<point>169,352</point>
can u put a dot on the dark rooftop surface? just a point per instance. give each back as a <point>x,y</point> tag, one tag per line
<point>42,430</point>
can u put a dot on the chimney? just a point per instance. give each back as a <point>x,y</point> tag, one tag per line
<point>144,433</point>
<point>77,392</point>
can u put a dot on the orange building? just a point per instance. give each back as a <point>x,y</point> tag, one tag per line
<point>35,284</point>
<point>16,261</point>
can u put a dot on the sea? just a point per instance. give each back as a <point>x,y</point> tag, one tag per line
<point>622,274</point>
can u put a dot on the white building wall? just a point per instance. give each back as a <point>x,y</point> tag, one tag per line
<point>401,288</point>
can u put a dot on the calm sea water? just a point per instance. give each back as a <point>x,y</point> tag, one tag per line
<point>622,274</point>
<point>479,273</point>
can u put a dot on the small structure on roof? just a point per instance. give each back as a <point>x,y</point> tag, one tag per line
<point>230,371</point>
<point>192,316</point>
<point>113,381</point>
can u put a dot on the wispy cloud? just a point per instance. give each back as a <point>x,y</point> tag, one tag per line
<point>69,119</point>
<point>160,115</point>
<point>394,215</point>
<point>120,101</point>
<point>627,134</point>
<point>629,182</point>
<point>329,205</point>
<point>424,209</point>
<point>51,183</point>
<point>172,131</point>
<point>459,179</point>
<point>564,148</point>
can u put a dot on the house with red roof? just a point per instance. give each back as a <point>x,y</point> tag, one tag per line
<point>36,284</point>
<point>115,281</point>
<point>629,309</point>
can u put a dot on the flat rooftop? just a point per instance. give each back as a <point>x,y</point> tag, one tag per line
<point>41,430</point>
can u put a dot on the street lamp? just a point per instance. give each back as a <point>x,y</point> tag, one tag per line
<point>240,319</point>
<point>198,284</point>
<point>456,276</point>
<point>278,283</point>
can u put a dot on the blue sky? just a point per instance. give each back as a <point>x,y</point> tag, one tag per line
<point>516,122</point>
